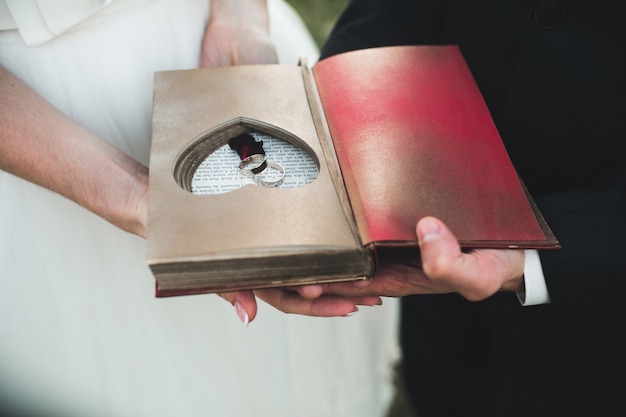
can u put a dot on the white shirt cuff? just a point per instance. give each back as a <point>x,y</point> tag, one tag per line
<point>535,289</point>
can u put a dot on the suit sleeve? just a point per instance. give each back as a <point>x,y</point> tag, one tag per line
<point>591,226</point>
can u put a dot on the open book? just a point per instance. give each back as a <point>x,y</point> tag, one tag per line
<point>393,134</point>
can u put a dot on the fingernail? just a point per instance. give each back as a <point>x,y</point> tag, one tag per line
<point>429,230</point>
<point>356,309</point>
<point>371,302</point>
<point>242,313</point>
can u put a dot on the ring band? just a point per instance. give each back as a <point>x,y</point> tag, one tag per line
<point>253,164</point>
<point>274,183</point>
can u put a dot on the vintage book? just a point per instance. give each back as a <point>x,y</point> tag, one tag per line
<point>393,133</point>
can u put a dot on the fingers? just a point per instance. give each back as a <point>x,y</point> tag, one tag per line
<point>444,269</point>
<point>305,300</point>
<point>315,291</point>
<point>289,301</point>
<point>475,275</point>
<point>439,248</point>
<point>443,262</point>
<point>352,289</point>
<point>244,303</point>
<point>310,291</point>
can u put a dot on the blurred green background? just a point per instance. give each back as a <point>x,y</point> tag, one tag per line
<point>319,15</point>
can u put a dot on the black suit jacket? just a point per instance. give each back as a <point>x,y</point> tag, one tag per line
<point>552,73</point>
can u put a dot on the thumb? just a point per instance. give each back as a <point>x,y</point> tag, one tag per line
<point>439,248</point>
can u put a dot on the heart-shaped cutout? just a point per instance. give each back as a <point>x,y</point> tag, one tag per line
<point>210,165</point>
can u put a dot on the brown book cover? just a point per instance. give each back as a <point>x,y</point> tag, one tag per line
<point>395,134</point>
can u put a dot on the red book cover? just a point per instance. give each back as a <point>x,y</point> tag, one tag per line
<point>414,138</point>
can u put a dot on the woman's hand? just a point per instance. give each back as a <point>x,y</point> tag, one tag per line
<point>237,34</point>
<point>42,145</point>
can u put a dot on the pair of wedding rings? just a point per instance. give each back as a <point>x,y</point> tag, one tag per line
<point>263,172</point>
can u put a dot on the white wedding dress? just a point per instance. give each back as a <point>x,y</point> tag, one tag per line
<point>81,333</point>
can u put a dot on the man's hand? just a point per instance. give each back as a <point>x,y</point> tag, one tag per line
<point>475,275</point>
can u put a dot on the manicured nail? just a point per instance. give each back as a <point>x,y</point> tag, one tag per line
<point>356,309</point>
<point>371,301</point>
<point>242,313</point>
<point>430,230</point>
